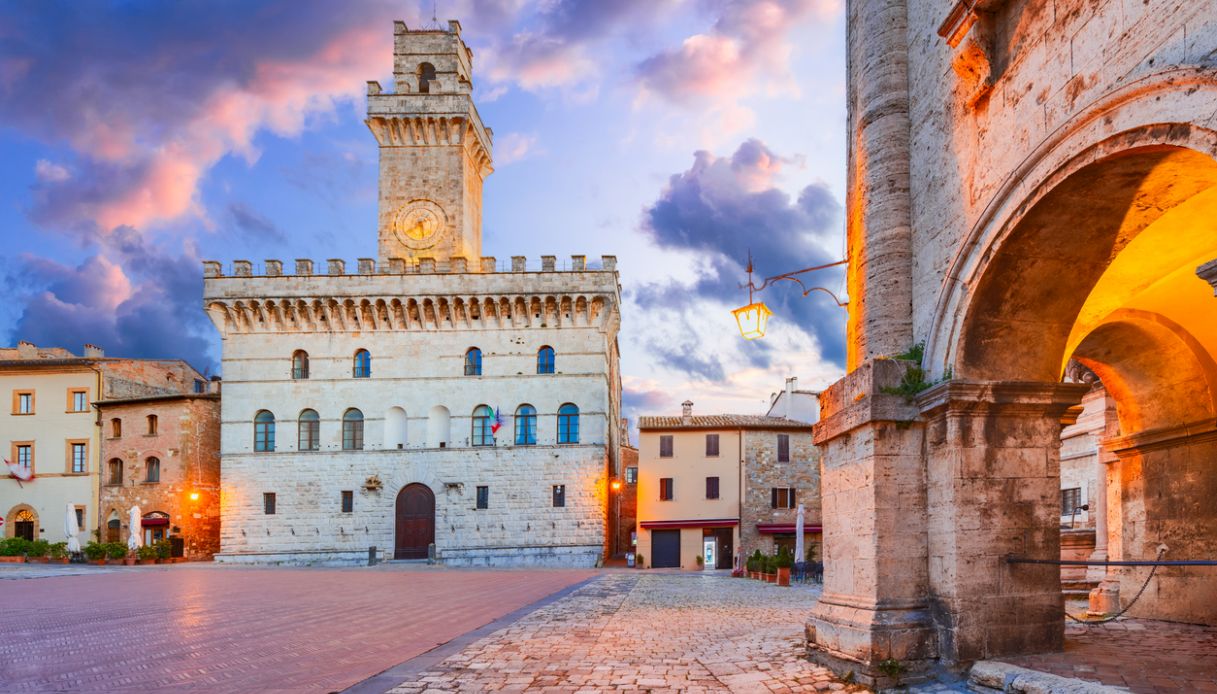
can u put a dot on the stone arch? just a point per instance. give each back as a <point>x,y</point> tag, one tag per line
<point>396,428</point>
<point>439,427</point>
<point>10,520</point>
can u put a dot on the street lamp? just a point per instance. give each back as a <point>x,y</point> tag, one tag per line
<point>754,318</point>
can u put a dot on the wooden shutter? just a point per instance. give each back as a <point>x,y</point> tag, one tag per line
<point>773,497</point>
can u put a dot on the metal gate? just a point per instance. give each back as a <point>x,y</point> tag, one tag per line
<point>665,548</point>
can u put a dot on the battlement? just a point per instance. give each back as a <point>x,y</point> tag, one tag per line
<point>335,267</point>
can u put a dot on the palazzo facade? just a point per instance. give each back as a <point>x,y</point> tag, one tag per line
<point>432,400</point>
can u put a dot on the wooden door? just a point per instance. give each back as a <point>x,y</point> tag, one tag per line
<point>415,522</point>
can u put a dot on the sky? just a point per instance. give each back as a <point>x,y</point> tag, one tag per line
<point>138,139</point>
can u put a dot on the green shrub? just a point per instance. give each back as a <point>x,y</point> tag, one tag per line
<point>770,564</point>
<point>116,550</point>
<point>639,560</point>
<point>38,548</point>
<point>750,563</point>
<point>783,559</point>
<point>14,547</point>
<point>146,552</point>
<point>59,550</point>
<point>163,549</point>
<point>94,551</point>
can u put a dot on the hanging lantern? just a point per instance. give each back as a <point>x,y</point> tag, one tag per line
<point>752,320</point>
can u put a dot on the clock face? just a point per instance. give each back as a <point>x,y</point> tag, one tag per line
<point>418,223</point>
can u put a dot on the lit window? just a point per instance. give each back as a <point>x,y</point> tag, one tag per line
<point>568,424</point>
<point>545,360</point>
<point>631,475</point>
<point>559,496</point>
<point>80,460</point>
<point>352,430</point>
<point>473,362</point>
<point>711,445</point>
<point>482,433</point>
<point>483,500</point>
<point>115,470</point>
<point>264,432</point>
<point>782,497</point>
<point>711,487</point>
<point>363,364</point>
<point>152,423</point>
<point>309,433</point>
<point>153,470</point>
<point>348,502</point>
<point>665,489</point>
<point>268,503</point>
<point>665,446</point>
<point>300,364</point>
<point>526,425</point>
<point>783,448</point>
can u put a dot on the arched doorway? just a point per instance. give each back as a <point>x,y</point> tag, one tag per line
<point>415,522</point>
<point>25,524</point>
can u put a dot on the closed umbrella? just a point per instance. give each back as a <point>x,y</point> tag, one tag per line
<point>798,536</point>
<point>71,529</point>
<point>136,537</point>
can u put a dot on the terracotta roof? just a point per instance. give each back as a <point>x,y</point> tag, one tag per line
<point>721,421</point>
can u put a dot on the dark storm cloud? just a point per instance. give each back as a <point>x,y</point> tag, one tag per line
<point>726,208</point>
<point>254,223</point>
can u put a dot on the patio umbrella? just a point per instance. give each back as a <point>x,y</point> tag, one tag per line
<point>135,538</point>
<point>798,536</point>
<point>71,529</point>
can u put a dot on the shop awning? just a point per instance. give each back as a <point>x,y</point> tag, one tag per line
<point>691,523</point>
<point>785,528</point>
<point>153,521</point>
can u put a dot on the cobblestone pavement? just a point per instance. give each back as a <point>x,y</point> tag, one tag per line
<point>237,629</point>
<point>1142,655</point>
<point>645,631</point>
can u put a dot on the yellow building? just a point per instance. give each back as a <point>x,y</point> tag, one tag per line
<point>50,430</point>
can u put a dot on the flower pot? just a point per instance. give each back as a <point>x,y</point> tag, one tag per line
<point>783,576</point>
<point>98,562</point>
<point>141,562</point>
<point>11,560</point>
<point>771,578</point>
<point>58,560</point>
<point>129,561</point>
<point>37,560</point>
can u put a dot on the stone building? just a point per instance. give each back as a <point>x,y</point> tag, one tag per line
<point>720,486</point>
<point>162,453</point>
<point>363,409</point>
<point>52,429</point>
<point>627,496</point>
<point>1029,182</point>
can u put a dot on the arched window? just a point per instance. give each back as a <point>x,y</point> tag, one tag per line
<point>438,427</point>
<point>115,470</point>
<point>545,360</point>
<point>152,470</point>
<point>264,431</point>
<point>483,421</point>
<point>299,364</point>
<point>152,422</point>
<point>426,75</point>
<point>308,436</point>
<point>395,428</point>
<point>568,424</point>
<point>526,425</point>
<point>473,362</point>
<point>352,430</point>
<point>363,364</point>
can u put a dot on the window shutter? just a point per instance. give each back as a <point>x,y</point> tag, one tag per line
<point>793,503</point>
<point>773,497</point>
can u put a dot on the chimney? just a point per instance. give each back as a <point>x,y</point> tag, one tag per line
<point>791,384</point>
<point>94,352</point>
<point>26,350</point>
<point>686,411</point>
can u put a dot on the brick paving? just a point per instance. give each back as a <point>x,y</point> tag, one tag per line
<point>1141,655</point>
<point>645,631</point>
<point>236,629</point>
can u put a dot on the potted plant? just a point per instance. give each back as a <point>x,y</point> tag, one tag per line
<point>639,561</point>
<point>58,553</point>
<point>771,575</point>
<point>95,552</point>
<point>758,565</point>
<point>784,561</point>
<point>129,559</point>
<point>701,562</point>
<point>163,550</point>
<point>12,550</point>
<point>37,551</point>
<point>115,551</point>
<point>146,554</point>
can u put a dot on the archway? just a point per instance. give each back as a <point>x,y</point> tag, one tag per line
<point>22,521</point>
<point>415,522</point>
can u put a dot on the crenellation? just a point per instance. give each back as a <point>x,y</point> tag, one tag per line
<point>458,266</point>
<point>274,268</point>
<point>367,266</point>
<point>212,268</point>
<point>335,266</point>
<point>304,267</point>
<point>547,263</point>
<point>242,268</point>
<point>578,263</point>
<point>519,263</point>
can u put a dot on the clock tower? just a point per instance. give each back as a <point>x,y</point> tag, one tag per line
<point>434,151</point>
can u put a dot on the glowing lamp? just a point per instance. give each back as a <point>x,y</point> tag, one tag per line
<point>616,485</point>
<point>752,320</point>
<point>194,496</point>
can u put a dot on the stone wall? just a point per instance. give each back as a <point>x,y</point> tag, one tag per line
<point>762,472</point>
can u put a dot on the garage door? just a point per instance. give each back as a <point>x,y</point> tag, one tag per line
<point>665,546</point>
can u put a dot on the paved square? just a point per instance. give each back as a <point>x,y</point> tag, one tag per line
<point>234,629</point>
<point>645,631</point>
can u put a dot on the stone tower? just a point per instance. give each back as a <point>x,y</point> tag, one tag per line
<point>434,151</point>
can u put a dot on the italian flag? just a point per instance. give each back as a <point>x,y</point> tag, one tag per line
<point>498,420</point>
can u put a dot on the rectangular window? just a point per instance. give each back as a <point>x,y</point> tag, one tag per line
<point>1071,499</point>
<point>115,470</point>
<point>559,495</point>
<point>116,428</point>
<point>152,469</point>
<point>711,445</point>
<point>152,425</point>
<point>483,497</point>
<point>78,400</point>
<point>782,497</point>
<point>665,446</point>
<point>631,475</point>
<point>268,503</point>
<point>348,502</point>
<point>783,448</point>
<point>711,487</point>
<point>200,386</point>
<point>80,458</point>
<point>665,489</point>
<point>80,516</point>
<point>25,456</point>
<point>23,402</point>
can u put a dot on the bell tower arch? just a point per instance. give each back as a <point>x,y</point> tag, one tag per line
<point>434,151</point>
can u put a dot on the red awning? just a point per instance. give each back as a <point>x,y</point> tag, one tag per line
<point>692,523</point>
<point>785,528</point>
<point>154,521</point>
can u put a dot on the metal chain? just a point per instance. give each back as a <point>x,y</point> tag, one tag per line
<point>1130,603</point>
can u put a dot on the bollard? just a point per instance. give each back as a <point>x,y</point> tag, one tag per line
<point>372,556</point>
<point>431,553</point>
